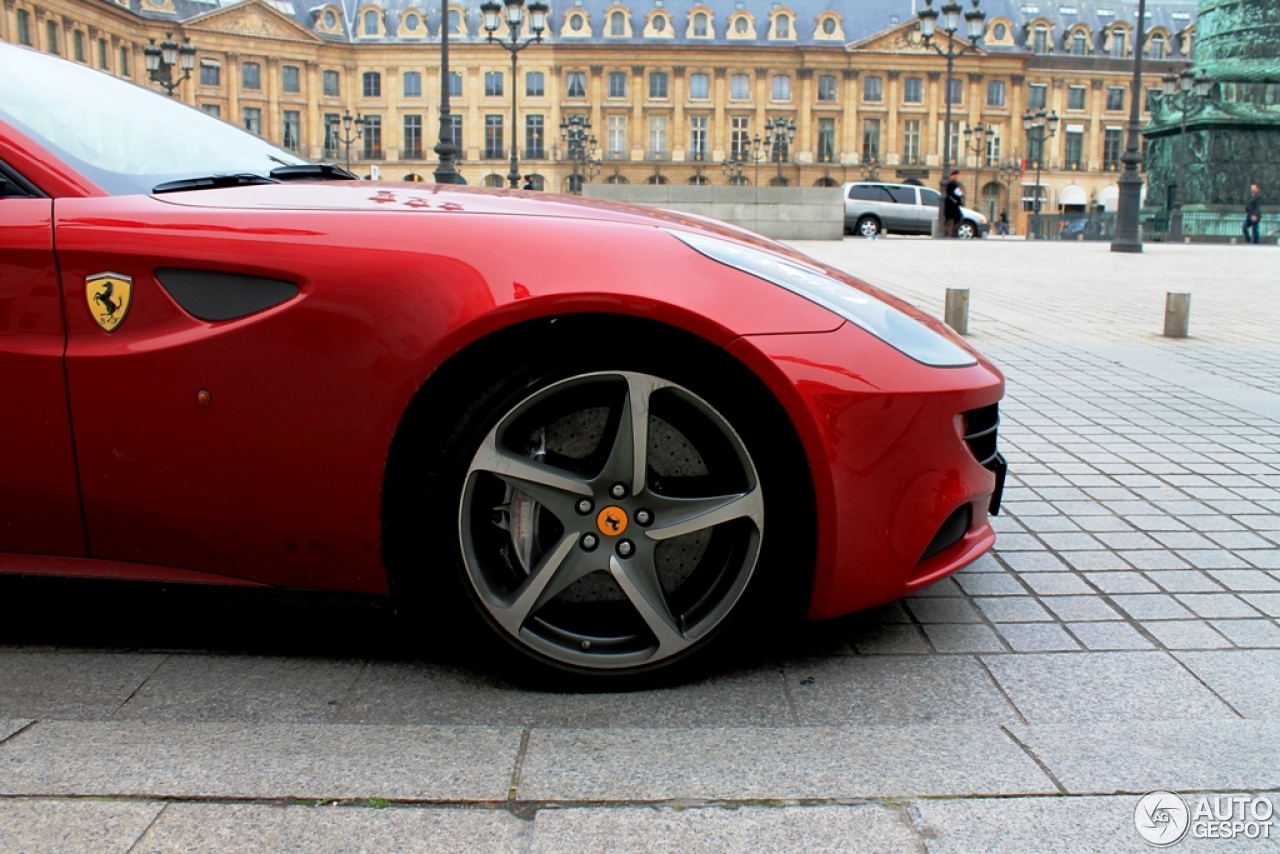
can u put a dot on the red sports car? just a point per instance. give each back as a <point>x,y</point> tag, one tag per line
<point>602,441</point>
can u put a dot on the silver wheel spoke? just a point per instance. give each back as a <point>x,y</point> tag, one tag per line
<point>533,593</point>
<point>553,488</point>
<point>680,516</point>
<point>628,457</point>
<point>640,584</point>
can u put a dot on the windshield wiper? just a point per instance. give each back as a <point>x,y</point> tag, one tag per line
<point>210,181</point>
<point>312,172</point>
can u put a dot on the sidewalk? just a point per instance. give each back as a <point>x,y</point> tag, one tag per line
<point>1123,637</point>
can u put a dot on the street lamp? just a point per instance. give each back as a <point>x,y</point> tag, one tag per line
<point>580,148</point>
<point>975,140</point>
<point>1127,238</point>
<point>446,172</point>
<point>976,27</point>
<point>347,137</point>
<point>870,169</point>
<point>1039,126</point>
<point>161,59</point>
<point>732,168</point>
<point>1185,93</point>
<point>779,133</point>
<point>493,18</point>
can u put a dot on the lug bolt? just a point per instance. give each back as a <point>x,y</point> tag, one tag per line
<point>643,517</point>
<point>586,644</point>
<point>589,542</point>
<point>618,490</point>
<point>626,548</point>
<point>585,506</point>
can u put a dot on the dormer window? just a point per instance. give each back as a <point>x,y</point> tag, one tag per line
<point>370,23</point>
<point>1079,44</point>
<point>741,25</point>
<point>577,22</point>
<point>411,23</point>
<point>782,27</point>
<point>660,23</point>
<point>828,26</point>
<point>330,19</point>
<point>1157,46</point>
<point>617,24</point>
<point>1041,40</point>
<point>700,25</point>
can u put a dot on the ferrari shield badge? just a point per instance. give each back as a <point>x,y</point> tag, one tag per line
<point>109,295</point>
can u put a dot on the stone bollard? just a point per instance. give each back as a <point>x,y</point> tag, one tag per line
<point>957,313</point>
<point>1177,314</point>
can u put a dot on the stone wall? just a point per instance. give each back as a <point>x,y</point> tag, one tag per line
<point>783,213</point>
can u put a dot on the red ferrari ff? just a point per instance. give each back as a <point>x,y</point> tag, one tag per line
<point>603,441</point>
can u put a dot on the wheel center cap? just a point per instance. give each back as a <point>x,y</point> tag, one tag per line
<point>612,521</point>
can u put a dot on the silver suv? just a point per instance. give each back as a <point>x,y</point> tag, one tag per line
<point>871,207</point>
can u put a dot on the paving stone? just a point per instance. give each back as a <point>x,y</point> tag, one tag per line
<point>1033,561</point>
<point>1155,559</point>
<point>770,763</point>
<point>1057,583</point>
<point>259,761</point>
<point>9,727</point>
<point>1217,605</point>
<point>1241,580</point>
<point>1186,634</point>
<point>1011,609</point>
<point>1213,559</point>
<point>894,689</point>
<point>1059,687</point>
<point>1151,606</point>
<point>956,610</point>
<point>959,637</point>
<point>1120,582</point>
<point>1197,756</point>
<point>1247,679</point>
<point>1249,633</point>
<point>1073,608</point>
<point>1055,825</point>
<point>1109,636</point>
<point>48,826</point>
<point>991,584</point>
<point>1183,580</point>
<point>1264,559</point>
<point>1036,637</point>
<point>893,639</point>
<point>69,685</point>
<point>1267,603</point>
<point>252,828</point>
<point>875,827</point>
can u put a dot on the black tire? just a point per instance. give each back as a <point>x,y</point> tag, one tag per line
<point>868,226</point>
<point>967,230</point>
<point>532,443</point>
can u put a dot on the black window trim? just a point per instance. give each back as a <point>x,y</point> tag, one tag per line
<point>13,179</point>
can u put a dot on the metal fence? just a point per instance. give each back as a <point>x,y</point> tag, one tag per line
<point>1197,226</point>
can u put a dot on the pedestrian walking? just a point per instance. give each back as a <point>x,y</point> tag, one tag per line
<point>955,199</point>
<point>528,183</point>
<point>1252,213</point>
<point>1002,224</point>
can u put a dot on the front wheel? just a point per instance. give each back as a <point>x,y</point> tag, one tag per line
<point>966,230</point>
<point>868,226</point>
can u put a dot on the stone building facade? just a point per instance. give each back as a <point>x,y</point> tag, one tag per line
<point>671,88</point>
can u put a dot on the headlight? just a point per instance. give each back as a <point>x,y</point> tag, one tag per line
<point>891,326</point>
<point>982,220</point>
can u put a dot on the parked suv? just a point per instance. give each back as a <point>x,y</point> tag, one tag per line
<point>871,207</point>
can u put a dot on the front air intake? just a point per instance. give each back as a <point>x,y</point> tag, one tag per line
<point>214,296</point>
<point>951,532</point>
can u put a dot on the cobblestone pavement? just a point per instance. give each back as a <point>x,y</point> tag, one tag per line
<point>1123,637</point>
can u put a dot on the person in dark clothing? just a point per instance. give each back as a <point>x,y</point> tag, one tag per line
<point>955,198</point>
<point>1252,213</point>
<point>1002,224</point>
<point>528,183</point>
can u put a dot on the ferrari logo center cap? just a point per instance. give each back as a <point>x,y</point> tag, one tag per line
<point>612,521</point>
<point>109,295</point>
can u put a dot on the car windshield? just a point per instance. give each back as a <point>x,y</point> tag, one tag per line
<point>120,136</point>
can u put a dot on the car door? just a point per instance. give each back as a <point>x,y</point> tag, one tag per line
<point>927,213</point>
<point>900,214</point>
<point>39,493</point>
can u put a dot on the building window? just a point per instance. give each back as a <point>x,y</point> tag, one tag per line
<point>872,89</point>
<point>534,134</point>
<point>870,140</point>
<point>331,124</point>
<point>700,25</point>
<point>953,139</point>
<point>535,84</point>
<point>77,45</point>
<point>740,25</point>
<point>251,76</point>
<point>253,120</point>
<point>699,87</point>
<point>413,84</point>
<point>493,138</point>
<point>993,146</point>
<point>102,54</point>
<point>455,133</point>
<point>827,87</point>
<point>1075,149</point>
<point>995,93</point>
<point>493,84</point>
<point>1075,97</point>
<point>660,23</point>
<point>24,27</point>
<point>411,23</point>
<point>1112,148</point>
<point>412,149</point>
<point>1036,96</point>
<point>210,74</point>
<point>125,70</point>
<point>372,137</point>
<point>616,139</point>
<point>292,129</point>
<point>370,23</point>
<point>658,85</point>
<point>740,137</point>
<point>455,84</point>
<point>1115,98</point>
<point>212,109</point>
<point>51,37</point>
<point>1157,47</point>
<point>657,137</point>
<point>955,91</point>
<point>1035,149</point>
<point>698,137</point>
<point>617,24</point>
<point>1153,95</point>
<point>740,87</point>
<point>781,87</point>
<point>1079,44</point>
<point>1032,197</point>
<point>617,84</point>
<point>372,84</point>
<point>330,82</point>
<point>913,90</point>
<point>455,22</point>
<point>782,27</point>
<point>826,140</point>
<point>829,26</point>
<point>290,80</point>
<point>911,141</point>
<point>1041,40</point>
<point>999,31</point>
<point>1118,39</point>
<point>576,85</point>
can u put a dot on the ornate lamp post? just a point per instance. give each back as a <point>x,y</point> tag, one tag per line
<point>870,169</point>
<point>580,148</point>
<point>1126,238</point>
<point>1040,126</point>
<point>493,18</point>
<point>732,168</point>
<point>446,172</point>
<point>976,27</point>
<point>1005,173</point>
<point>347,137</point>
<point>161,59</point>
<point>975,140</point>
<point>779,134</point>
<point>1185,93</point>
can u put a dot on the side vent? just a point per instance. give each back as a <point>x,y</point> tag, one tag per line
<point>212,295</point>
<point>951,532</point>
